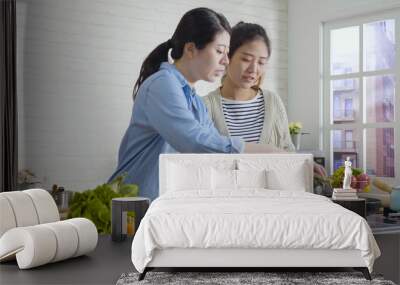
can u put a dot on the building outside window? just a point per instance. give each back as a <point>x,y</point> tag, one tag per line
<point>361,107</point>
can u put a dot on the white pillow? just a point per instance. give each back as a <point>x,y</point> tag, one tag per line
<point>292,180</point>
<point>188,177</point>
<point>223,179</point>
<point>251,178</point>
<point>281,174</point>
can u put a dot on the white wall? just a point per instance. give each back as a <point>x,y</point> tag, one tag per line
<point>77,63</point>
<point>304,21</point>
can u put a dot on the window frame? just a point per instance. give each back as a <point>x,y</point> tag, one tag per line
<point>327,101</point>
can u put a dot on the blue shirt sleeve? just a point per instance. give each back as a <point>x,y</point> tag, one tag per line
<point>168,113</point>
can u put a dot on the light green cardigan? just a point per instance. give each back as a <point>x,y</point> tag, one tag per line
<point>275,129</point>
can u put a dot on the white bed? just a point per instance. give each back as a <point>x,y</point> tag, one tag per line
<point>247,211</point>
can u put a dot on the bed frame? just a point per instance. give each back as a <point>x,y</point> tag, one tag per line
<point>260,259</point>
<point>246,259</point>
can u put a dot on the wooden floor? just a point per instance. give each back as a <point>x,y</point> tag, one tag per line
<point>102,266</point>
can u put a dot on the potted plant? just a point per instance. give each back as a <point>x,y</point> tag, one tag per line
<point>27,180</point>
<point>294,129</point>
<point>95,204</point>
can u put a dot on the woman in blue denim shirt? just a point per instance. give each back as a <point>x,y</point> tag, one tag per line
<point>168,115</point>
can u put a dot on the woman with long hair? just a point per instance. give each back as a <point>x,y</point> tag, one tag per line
<point>240,107</point>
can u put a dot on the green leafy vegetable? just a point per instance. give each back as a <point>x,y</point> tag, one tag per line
<point>95,204</point>
<point>338,176</point>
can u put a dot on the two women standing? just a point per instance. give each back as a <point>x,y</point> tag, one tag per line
<point>168,116</point>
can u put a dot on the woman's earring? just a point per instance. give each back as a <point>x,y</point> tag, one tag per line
<point>170,59</point>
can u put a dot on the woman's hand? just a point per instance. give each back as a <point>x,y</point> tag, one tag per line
<point>320,170</point>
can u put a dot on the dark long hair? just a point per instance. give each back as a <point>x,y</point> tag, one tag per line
<point>199,26</point>
<point>243,33</point>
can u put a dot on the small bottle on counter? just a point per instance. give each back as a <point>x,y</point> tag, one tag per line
<point>130,223</point>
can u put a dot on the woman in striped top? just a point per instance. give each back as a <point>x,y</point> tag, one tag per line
<point>244,119</point>
<point>240,107</point>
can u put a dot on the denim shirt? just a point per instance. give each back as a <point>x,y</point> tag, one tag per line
<point>167,117</point>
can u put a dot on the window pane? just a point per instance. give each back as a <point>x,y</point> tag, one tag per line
<point>380,151</point>
<point>379,45</point>
<point>345,50</point>
<point>344,144</point>
<point>344,100</point>
<point>379,98</point>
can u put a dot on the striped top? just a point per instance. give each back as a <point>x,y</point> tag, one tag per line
<point>244,119</point>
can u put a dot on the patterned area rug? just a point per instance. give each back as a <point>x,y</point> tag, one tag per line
<point>229,278</point>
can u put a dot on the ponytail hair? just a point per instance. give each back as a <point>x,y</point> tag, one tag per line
<point>199,26</point>
<point>151,64</point>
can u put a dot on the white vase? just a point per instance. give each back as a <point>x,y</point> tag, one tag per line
<point>296,139</point>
